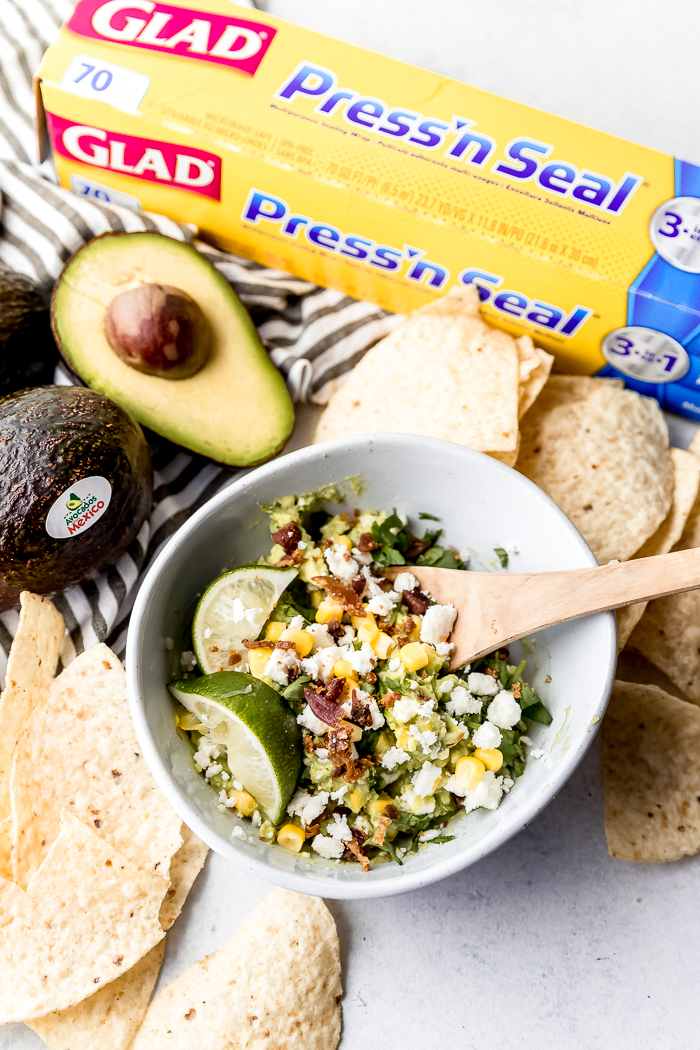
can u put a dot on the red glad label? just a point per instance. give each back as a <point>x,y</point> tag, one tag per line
<point>163,162</point>
<point>175,30</point>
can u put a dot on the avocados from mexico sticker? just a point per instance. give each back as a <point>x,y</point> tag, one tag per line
<point>79,507</point>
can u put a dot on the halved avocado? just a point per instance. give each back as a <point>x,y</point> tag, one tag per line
<point>235,409</point>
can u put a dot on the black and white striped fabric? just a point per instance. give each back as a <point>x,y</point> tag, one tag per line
<point>314,335</point>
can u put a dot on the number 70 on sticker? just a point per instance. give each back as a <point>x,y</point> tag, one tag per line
<point>118,86</point>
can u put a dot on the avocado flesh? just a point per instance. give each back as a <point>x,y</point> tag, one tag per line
<point>235,409</point>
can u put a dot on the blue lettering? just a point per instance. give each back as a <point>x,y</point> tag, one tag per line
<point>545,315</point>
<point>471,147</point>
<point>293,223</point>
<point>334,100</point>
<point>356,247</point>
<point>471,276</point>
<point>431,140</point>
<point>319,231</point>
<point>516,151</point>
<point>368,107</point>
<point>623,191</point>
<point>592,194</point>
<point>386,258</point>
<point>307,80</point>
<point>264,206</point>
<point>578,316</point>
<point>557,177</point>
<point>511,303</point>
<point>421,267</point>
<point>396,119</point>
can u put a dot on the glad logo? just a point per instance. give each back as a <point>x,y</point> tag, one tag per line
<point>175,30</point>
<point>163,162</point>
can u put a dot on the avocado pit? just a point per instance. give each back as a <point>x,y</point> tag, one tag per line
<point>159,330</point>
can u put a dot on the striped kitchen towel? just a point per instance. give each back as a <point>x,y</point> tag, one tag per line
<point>314,335</point>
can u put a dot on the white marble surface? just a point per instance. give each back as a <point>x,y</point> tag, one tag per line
<point>548,943</point>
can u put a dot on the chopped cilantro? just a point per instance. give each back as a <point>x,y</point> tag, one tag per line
<point>427,517</point>
<point>502,556</point>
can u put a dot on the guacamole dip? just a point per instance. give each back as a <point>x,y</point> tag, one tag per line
<point>389,744</point>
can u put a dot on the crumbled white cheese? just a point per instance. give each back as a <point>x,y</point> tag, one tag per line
<point>302,545</point>
<point>296,624</point>
<point>394,664</point>
<point>322,638</point>
<point>339,829</point>
<point>340,563</point>
<point>462,702</point>
<point>405,709</point>
<point>415,803</point>
<point>281,662</point>
<point>331,849</point>
<point>362,824</point>
<point>446,685</point>
<point>206,753</point>
<point>537,752</point>
<point>310,666</point>
<point>382,604</point>
<point>307,807</point>
<point>326,660</point>
<point>363,659</point>
<point>309,721</point>
<point>213,770</point>
<point>239,833</point>
<point>444,648</point>
<point>526,740</point>
<point>482,684</point>
<point>486,736</point>
<point>405,581</point>
<point>256,818</point>
<point>426,779</point>
<point>486,795</point>
<point>340,793</point>
<point>207,634</point>
<point>188,661</point>
<point>372,706</point>
<point>504,710</point>
<point>322,753</point>
<point>395,756</point>
<point>432,833</point>
<point>437,624</point>
<point>225,776</point>
<point>347,637</point>
<point>362,557</point>
<point>426,739</point>
<point>222,796</point>
<point>237,785</point>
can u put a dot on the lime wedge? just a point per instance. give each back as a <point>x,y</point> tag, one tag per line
<point>260,734</point>
<point>233,607</point>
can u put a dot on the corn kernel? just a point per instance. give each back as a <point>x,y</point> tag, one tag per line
<point>316,597</point>
<point>469,772</point>
<point>383,644</point>
<point>327,610</point>
<point>359,621</point>
<point>355,800</point>
<point>367,632</point>
<point>245,803</point>
<point>378,807</point>
<point>491,757</point>
<point>257,661</point>
<point>275,630</point>
<point>303,640</point>
<point>429,650</point>
<point>413,656</point>
<point>344,669</point>
<point>189,721</point>
<point>403,737</point>
<point>291,837</point>
<point>344,540</point>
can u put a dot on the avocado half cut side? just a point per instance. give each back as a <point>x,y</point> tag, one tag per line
<point>235,409</point>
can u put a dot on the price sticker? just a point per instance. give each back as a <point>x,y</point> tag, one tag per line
<point>89,188</point>
<point>675,233</point>
<point>644,353</point>
<point>116,85</point>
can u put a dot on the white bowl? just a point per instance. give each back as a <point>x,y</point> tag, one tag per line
<point>482,505</point>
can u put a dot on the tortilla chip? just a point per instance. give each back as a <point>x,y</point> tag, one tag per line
<point>602,454</point>
<point>685,491</point>
<point>89,913</point>
<point>534,366</point>
<point>275,984</point>
<point>444,373</point>
<point>30,668</point>
<point>650,757</point>
<point>184,869</point>
<point>79,751</point>
<point>110,1018</point>
<point>5,841</point>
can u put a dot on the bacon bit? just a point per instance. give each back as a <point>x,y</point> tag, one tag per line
<point>417,548</point>
<point>289,560</point>
<point>358,584</point>
<point>191,1014</point>
<point>408,626</point>
<point>308,743</point>
<point>392,811</point>
<point>358,712</point>
<point>502,654</point>
<point>287,537</point>
<point>517,691</point>
<point>263,643</point>
<point>323,703</point>
<point>416,600</point>
<point>491,671</point>
<point>389,699</point>
<point>335,628</point>
<point>388,628</point>
<point>356,769</point>
<point>339,745</point>
<point>370,677</point>
<point>367,543</point>
<point>378,837</point>
<point>354,851</point>
<point>285,645</point>
<point>312,829</point>
<point>234,658</point>
<point>341,592</point>
<point>213,648</point>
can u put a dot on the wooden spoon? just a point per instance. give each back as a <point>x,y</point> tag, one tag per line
<point>496,608</point>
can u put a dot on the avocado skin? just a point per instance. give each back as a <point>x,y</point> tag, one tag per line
<point>28,353</point>
<point>52,437</point>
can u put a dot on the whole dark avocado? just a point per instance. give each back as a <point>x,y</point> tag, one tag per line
<point>52,438</point>
<point>28,352</point>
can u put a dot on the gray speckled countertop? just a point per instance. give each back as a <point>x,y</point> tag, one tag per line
<point>547,943</point>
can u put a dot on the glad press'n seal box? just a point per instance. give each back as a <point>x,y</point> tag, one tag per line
<point>385,181</point>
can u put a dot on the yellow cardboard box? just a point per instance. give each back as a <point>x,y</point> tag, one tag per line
<point>385,181</point>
